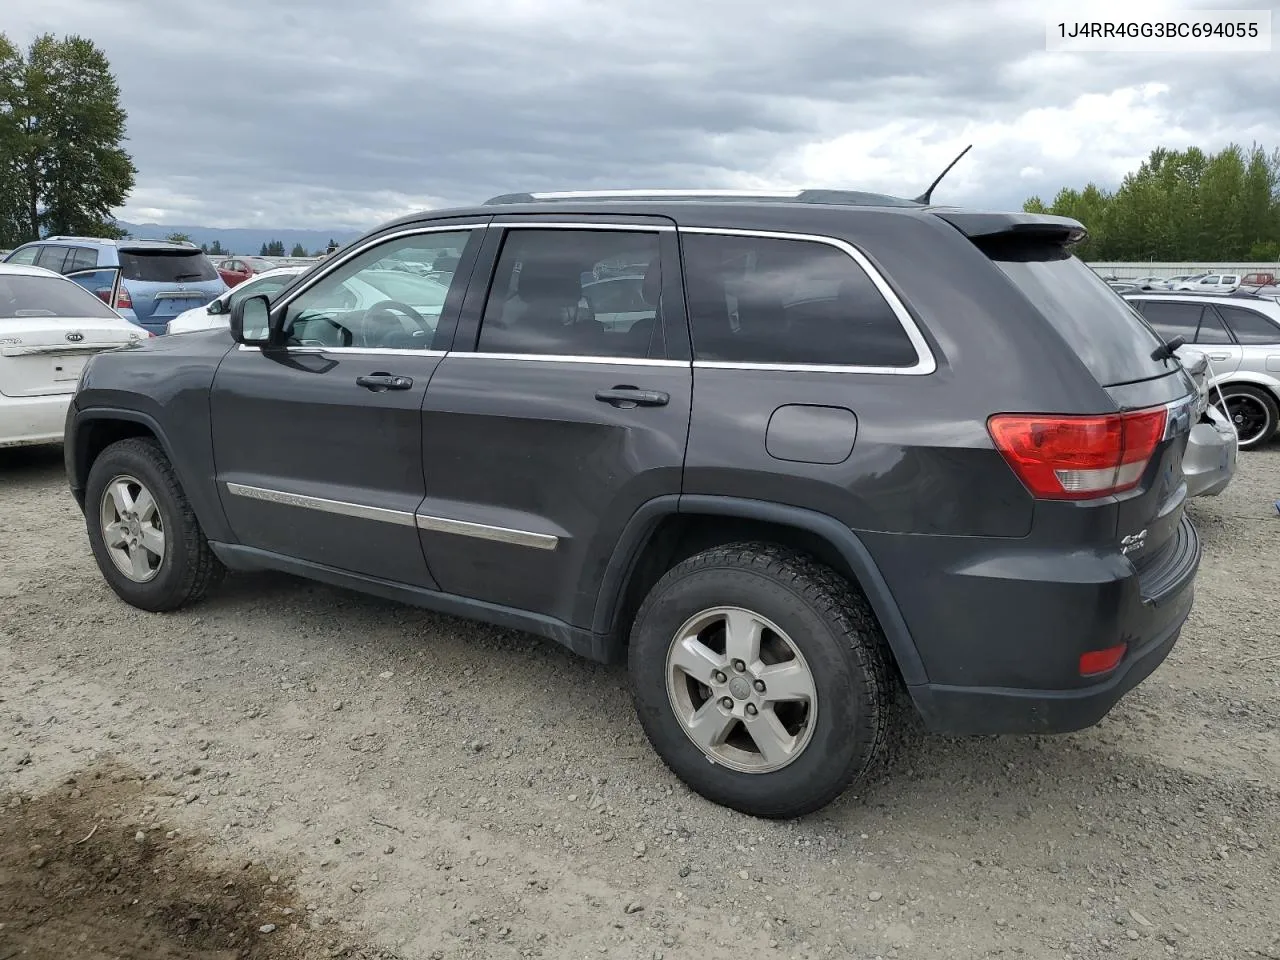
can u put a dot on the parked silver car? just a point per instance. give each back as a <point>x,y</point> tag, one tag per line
<point>1240,335</point>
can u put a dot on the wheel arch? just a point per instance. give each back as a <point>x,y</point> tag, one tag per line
<point>668,529</point>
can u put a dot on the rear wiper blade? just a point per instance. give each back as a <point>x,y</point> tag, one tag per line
<point>187,276</point>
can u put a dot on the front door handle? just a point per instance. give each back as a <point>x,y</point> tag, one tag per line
<point>384,381</point>
<point>1219,356</point>
<point>628,396</point>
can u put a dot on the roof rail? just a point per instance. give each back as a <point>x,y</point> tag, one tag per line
<point>847,197</point>
<point>89,239</point>
<point>1230,294</point>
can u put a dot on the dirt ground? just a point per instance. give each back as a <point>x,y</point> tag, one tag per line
<point>290,771</point>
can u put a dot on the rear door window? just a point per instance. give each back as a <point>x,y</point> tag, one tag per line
<point>166,266</point>
<point>1249,326</point>
<point>1102,328</point>
<point>52,257</point>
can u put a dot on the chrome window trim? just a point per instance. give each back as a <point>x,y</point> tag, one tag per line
<point>303,349</point>
<point>346,256</point>
<point>568,358</point>
<point>925,363</point>
<point>486,531</point>
<point>342,508</point>
<point>585,225</point>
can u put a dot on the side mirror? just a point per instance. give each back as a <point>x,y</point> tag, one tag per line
<point>214,308</point>
<point>251,322</point>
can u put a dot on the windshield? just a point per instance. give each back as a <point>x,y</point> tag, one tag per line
<point>407,288</point>
<point>166,266</point>
<point>22,297</point>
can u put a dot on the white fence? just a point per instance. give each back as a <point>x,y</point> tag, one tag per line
<point>1132,271</point>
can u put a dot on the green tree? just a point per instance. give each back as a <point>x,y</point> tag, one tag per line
<point>298,250</point>
<point>215,248</point>
<point>273,249</point>
<point>178,238</point>
<point>262,251</point>
<point>62,167</point>
<point>1181,205</point>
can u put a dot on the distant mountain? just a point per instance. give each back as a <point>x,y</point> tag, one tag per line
<point>241,240</point>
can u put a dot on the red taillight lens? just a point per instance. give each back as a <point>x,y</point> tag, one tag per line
<point>123,299</point>
<point>104,294</point>
<point>1101,661</point>
<point>1078,458</point>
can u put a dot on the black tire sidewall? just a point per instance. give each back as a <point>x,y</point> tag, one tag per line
<point>1269,404</point>
<point>159,592</point>
<point>842,738</point>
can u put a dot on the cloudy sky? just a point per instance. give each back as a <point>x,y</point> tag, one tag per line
<point>344,113</point>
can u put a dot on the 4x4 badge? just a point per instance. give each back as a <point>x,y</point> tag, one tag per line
<point>1135,541</point>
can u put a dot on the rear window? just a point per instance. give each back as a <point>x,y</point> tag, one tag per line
<point>24,297</point>
<point>1106,332</point>
<point>166,266</point>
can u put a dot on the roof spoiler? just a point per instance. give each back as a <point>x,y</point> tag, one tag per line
<point>1042,227</point>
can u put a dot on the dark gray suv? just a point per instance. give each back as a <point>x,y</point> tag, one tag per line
<point>851,444</point>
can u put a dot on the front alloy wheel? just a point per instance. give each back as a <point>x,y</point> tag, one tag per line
<point>132,528</point>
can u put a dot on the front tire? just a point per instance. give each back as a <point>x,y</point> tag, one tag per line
<point>143,532</point>
<point>1253,411</point>
<point>760,678</point>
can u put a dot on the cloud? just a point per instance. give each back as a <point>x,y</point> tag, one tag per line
<point>335,115</point>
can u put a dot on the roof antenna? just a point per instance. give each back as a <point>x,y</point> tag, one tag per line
<point>925,197</point>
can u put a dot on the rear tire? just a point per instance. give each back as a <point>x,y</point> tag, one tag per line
<point>748,738</point>
<point>143,532</point>
<point>1254,412</point>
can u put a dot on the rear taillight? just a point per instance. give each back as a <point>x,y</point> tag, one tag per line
<point>123,300</point>
<point>1078,458</point>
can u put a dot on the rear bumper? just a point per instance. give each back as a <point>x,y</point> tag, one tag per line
<point>32,420</point>
<point>983,710</point>
<point>1000,628</point>
<point>1210,460</point>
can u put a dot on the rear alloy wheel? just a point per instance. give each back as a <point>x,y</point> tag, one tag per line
<point>760,678</point>
<point>1253,412</point>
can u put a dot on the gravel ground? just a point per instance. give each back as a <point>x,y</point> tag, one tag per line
<point>292,771</point>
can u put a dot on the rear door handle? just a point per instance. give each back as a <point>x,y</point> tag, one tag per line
<point>627,396</point>
<point>384,381</point>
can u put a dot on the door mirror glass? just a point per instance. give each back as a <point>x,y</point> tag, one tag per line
<point>214,308</point>
<point>251,321</point>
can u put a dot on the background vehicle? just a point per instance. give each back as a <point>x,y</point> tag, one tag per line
<point>158,279</point>
<point>49,326</point>
<point>214,314</point>
<point>236,270</point>
<point>801,478</point>
<point>1211,283</point>
<point>1240,334</point>
<point>1258,280</point>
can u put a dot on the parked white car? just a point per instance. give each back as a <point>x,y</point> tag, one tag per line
<point>1213,283</point>
<point>372,287</point>
<point>215,313</point>
<point>49,327</point>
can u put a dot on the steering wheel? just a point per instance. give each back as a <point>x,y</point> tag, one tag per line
<point>344,334</point>
<point>380,320</point>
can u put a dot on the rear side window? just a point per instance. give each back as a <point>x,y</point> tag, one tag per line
<point>166,266</point>
<point>1211,329</point>
<point>769,300</point>
<point>80,258</point>
<point>1103,329</point>
<point>1249,326</point>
